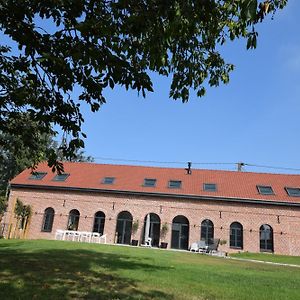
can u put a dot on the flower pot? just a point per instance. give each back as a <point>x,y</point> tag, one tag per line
<point>134,242</point>
<point>163,245</point>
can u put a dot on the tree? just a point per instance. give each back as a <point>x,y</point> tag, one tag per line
<point>17,153</point>
<point>95,45</point>
<point>20,150</point>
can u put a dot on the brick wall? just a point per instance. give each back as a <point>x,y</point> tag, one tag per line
<point>284,221</point>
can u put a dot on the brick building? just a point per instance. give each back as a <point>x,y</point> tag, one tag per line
<point>248,211</point>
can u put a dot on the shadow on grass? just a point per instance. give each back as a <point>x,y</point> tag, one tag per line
<point>71,274</point>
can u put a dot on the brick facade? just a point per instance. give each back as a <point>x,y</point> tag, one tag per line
<point>284,220</point>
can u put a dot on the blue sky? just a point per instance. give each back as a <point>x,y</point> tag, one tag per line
<point>253,119</point>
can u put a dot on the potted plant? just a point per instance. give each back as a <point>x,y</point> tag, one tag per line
<point>163,233</point>
<point>22,213</point>
<point>223,242</point>
<point>135,227</point>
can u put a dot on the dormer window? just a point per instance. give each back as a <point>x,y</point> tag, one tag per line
<point>37,175</point>
<point>293,192</point>
<point>175,184</point>
<point>210,187</point>
<point>108,180</point>
<point>265,190</point>
<point>61,177</point>
<point>149,182</point>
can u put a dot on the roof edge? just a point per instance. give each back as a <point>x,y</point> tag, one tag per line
<point>163,195</point>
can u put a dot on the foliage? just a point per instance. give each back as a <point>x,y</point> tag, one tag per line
<point>17,153</point>
<point>164,230</point>
<point>21,210</point>
<point>69,270</point>
<point>59,46</point>
<point>3,205</point>
<point>135,226</point>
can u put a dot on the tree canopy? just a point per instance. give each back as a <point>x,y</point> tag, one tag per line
<point>18,153</point>
<point>55,46</point>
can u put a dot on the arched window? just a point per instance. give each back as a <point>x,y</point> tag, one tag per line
<point>180,233</point>
<point>152,228</point>
<point>266,238</point>
<point>236,235</point>
<point>73,220</point>
<point>48,219</point>
<point>124,227</point>
<point>207,231</point>
<point>99,222</point>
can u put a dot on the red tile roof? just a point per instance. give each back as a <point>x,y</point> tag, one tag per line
<point>230,184</point>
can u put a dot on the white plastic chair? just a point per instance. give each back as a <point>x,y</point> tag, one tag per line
<point>194,247</point>
<point>76,236</point>
<point>85,236</point>
<point>59,234</point>
<point>202,246</point>
<point>102,238</point>
<point>148,242</point>
<point>95,237</point>
<point>68,235</point>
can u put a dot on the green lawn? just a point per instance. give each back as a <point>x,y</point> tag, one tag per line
<point>283,259</point>
<point>67,270</point>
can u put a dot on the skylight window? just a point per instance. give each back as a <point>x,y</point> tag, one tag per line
<point>37,175</point>
<point>210,187</point>
<point>149,182</point>
<point>108,180</point>
<point>265,190</point>
<point>174,184</point>
<point>61,177</point>
<point>293,192</point>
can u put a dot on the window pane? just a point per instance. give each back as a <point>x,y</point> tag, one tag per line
<point>149,182</point>
<point>99,222</point>
<point>108,180</point>
<point>37,175</point>
<point>266,238</point>
<point>265,190</point>
<point>236,235</point>
<point>48,219</point>
<point>211,187</point>
<point>175,184</point>
<point>73,220</point>
<point>294,192</point>
<point>61,177</point>
<point>207,231</point>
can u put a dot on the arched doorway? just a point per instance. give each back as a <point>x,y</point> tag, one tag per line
<point>207,231</point>
<point>266,238</point>
<point>180,233</point>
<point>99,222</point>
<point>73,220</point>
<point>152,229</point>
<point>236,235</point>
<point>124,226</point>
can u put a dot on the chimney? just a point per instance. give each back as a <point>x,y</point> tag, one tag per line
<point>188,169</point>
<point>240,166</point>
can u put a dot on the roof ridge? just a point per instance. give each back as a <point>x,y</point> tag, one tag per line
<point>183,168</point>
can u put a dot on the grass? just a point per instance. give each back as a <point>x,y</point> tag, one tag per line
<point>67,270</point>
<point>283,259</point>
